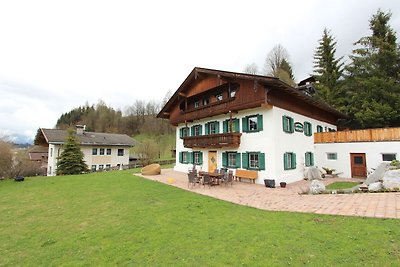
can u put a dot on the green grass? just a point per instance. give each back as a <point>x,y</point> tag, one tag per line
<point>116,218</point>
<point>342,185</point>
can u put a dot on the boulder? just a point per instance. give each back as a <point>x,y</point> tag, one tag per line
<point>377,175</point>
<point>316,187</point>
<point>373,187</point>
<point>152,169</point>
<point>391,179</point>
<point>313,173</point>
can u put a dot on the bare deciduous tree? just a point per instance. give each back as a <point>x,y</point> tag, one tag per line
<point>251,69</point>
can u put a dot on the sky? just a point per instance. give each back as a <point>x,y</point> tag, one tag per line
<point>58,55</point>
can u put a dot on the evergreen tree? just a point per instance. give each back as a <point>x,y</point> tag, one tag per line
<point>372,79</point>
<point>71,159</point>
<point>327,69</point>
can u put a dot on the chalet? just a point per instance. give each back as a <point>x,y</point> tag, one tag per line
<point>242,121</point>
<point>102,151</point>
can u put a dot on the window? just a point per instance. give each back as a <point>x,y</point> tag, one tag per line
<point>252,123</point>
<point>94,151</point>
<point>233,93</point>
<point>185,157</point>
<point>120,151</point>
<point>332,156</point>
<point>388,156</point>
<point>206,101</point>
<point>231,159</point>
<point>108,167</point>
<point>309,159</point>
<point>307,129</point>
<point>196,130</point>
<point>320,129</point>
<point>231,126</point>
<point>331,130</point>
<point>289,161</point>
<point>212,127</point>
<point>218,97</point>
<point>101,151</point>
<point>288,124</point>
<point>196,104</point>
<point>51,152</point>
<point>93,168</point>
<point>253,161</point>
<point>49,169</point>
<point>101,167</point>
<point>184,132</point>
<point>108,151</point>
<point>197,158</point>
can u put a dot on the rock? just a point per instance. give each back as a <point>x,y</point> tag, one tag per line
<point>316,187</point>
<point>373,187</point>
<point>313,173</point>
<point>377,175</point>
<point>391,179</point>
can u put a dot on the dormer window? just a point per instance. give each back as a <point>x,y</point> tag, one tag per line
<point>233,93</point>
<point>206,101</point>
<point>218,97</point>
<point>196,104</point>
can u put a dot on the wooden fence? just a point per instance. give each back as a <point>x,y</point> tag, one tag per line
<point>368,135</point>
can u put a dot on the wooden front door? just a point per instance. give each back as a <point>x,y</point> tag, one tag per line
<point>358,165</point>
<point>212,161</point>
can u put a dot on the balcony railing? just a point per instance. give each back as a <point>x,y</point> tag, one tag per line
<point>368,135</point>
<point>213,141</point>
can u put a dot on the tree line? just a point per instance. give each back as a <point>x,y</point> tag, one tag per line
<point>367,88</point>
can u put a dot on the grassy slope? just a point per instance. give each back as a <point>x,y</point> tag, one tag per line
<point>117,218</point>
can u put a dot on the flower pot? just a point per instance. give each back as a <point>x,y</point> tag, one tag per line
<point>282,184</point>
<point>269,183</point>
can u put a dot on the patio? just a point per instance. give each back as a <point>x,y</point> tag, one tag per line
<point>379,205</point>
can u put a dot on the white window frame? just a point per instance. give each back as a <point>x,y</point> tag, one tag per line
<point>254,160</point>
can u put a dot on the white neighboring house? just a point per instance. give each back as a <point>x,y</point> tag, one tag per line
<point>102,151</point>
<point>355,153</point>
<point>243,121</point>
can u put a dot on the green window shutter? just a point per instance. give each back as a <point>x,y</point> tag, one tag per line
<point>285,124</point>
<point>200,158</point>
<point>207,129</point>
<point>245,160</point>
<point>311,159</point>
<point>192,131</point>
<point>238,160</point>
<point>225,126</point>
<point>261,161</point>
<point>245,125</point>
<point>180,157</point>
<point>217,127</point>
<point>181,132</point>
<point>307,128</point>
<point>200,129</point>
<point>224,159</point>
<point>320,129</point>
<point>259,122</point>
<point>237,126</point>
<point>190,157</point>
<point>307,159</point>
<point>291,120</point>
<point>294,163</point>
<point>285,161</point>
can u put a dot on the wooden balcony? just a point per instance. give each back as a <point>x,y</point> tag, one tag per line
<point>231,140</point>
<point>368,135</point>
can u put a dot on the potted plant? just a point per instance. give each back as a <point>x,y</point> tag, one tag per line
<point>282,184</point>
<point>328,170</point>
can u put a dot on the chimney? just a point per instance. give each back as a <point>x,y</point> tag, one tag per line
<point>80,129</point>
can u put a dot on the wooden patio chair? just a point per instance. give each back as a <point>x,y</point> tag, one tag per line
<point>207,180</point>
<point>192,179</point>
<point>229,178</point>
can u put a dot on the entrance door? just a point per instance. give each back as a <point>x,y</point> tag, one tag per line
<point>358,165</point>
<point>212,161</point>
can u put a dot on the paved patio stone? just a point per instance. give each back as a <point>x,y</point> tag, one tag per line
<point>379,205</point>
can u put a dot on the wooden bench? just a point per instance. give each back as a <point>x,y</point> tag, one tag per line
<point>246,174</point>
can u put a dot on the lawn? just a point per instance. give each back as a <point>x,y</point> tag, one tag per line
<point>116,218</point>
<point>342,185</point>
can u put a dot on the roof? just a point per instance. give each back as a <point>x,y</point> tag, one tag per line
<point>57,136</point>
<point>272,82</point>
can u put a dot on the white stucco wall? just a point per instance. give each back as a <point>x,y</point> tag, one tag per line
<point>373,154</point>
<point>272,141</point>
<point>90,159</point>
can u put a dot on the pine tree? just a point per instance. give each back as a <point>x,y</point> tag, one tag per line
<point>327,69</point>
<point>372,79</point>
<point>71,159</point>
